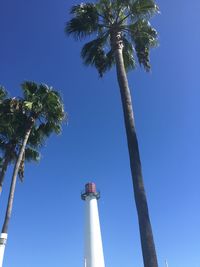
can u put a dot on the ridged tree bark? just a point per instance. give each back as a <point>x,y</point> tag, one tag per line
<point>14,179</point>
<point>146,235</point>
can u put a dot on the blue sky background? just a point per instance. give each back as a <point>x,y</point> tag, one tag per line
<point>46,228</point>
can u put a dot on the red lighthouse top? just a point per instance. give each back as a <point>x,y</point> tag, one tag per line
<point>90,190</point>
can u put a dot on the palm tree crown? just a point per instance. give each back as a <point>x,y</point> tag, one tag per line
<point>12,132</point>
<point>114,22</point>
<point>43,104</point>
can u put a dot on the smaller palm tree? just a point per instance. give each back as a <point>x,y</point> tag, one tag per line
<point>11,136</point>
<point>12,131</point>
<point>43,112</point>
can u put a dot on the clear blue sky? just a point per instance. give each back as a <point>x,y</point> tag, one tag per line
<point>46,228</point>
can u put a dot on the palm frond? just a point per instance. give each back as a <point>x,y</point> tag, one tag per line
<point>110,60</point>
<point>54,109</point>
<point>36,138</point>
<point>46,129</point>
<point>1,162</point>
<point>31,154</point>
<point>42,101</point>
<point>29,89</point>
<point>141,9</point>
<point>128,54</point>
<point>3,93</point>
<point>3,143</point>
<point>144,37</point>
<point>84,22</point>
<point>93,54</point>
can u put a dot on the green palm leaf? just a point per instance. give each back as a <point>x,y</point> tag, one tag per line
<point>93,54</point>
<point>142,9</point>
<point>32,154</point>
<point>29,90</point>
<point>3,93</point>
<point>128,54</point>
<point>85,21</point>
<point>144,37</point>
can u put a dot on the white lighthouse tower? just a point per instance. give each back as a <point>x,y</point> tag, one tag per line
<point>93,255</point>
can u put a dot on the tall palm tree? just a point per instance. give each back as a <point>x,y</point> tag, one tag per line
<point>43,108</point>
<point>121,32</point>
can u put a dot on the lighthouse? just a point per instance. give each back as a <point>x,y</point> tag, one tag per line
<point>93,249</point>
<point>3,239</point>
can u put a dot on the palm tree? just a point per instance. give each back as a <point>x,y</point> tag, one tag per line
<point>121,31</point>
<point>11,135</point>
<point>43,109</point>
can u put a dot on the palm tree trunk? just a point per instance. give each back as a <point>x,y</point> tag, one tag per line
<point>14,179</point>
<point>146,235</point>
<point>3,171</point>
